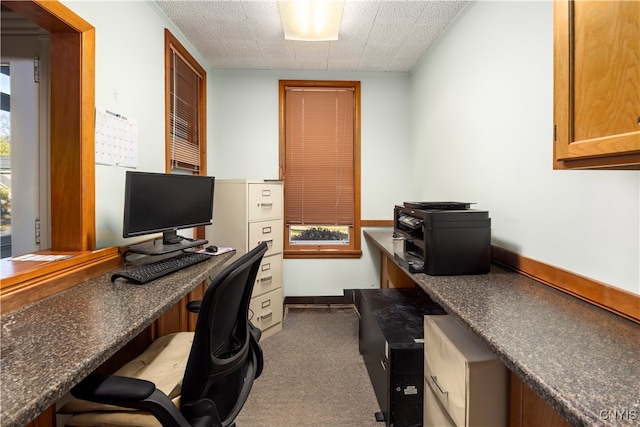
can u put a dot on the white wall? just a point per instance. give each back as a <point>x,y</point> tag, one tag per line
<point>129,81</point>
<point>243,134</point>
<point>483,117</point>
<point>242,130</point>
<point>478,112</point>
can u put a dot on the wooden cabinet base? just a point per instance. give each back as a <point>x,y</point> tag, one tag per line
<point>392,276</point>
<point>527,409</point>
<point>45,419</point>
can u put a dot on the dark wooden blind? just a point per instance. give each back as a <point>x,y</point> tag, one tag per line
<point>319,150</point>
<point>184,114</point>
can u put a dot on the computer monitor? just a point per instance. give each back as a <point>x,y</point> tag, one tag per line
<point>160,202</point>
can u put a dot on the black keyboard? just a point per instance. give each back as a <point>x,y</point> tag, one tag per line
<point>146,273</point>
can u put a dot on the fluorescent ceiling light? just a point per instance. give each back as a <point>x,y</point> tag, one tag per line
<point>311,20</point>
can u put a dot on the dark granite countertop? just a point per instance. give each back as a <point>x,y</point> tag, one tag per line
<point>582,360</point>
<point>49,346</point>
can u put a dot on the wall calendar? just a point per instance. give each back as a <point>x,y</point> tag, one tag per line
<point>116,139</point>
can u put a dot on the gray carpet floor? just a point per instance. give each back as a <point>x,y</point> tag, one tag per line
<point>313,374</point>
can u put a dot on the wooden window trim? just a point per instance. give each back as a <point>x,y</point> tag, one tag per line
<point>171,42</point>
<point>72,164</point>
<point>72,108</point>
<point>324,251</point>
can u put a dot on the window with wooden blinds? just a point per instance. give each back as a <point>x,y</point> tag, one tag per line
<point>320,165</point>
<point>185,109</point>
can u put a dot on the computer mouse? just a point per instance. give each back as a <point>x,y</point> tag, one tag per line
<point>212,249</point>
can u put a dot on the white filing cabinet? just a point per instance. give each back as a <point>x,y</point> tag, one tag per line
<point>247,212</point>
<point>465,384</point>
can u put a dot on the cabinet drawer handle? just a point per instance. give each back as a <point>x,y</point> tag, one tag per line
<point>266,205</point>
<point>268,242</point>
<point>435,381</point>
<point>266,315</point>
<point>266,279</point>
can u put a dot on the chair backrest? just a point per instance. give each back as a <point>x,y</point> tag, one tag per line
<point>223,361</point>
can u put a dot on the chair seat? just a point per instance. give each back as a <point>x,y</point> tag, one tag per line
<point>211,371</point>
<point>162,363</point>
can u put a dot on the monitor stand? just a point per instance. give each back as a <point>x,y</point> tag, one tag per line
<point>159,247</point>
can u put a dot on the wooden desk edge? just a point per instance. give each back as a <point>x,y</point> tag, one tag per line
<point>25,282</point>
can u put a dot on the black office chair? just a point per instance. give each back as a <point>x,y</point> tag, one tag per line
<point>224,359</point>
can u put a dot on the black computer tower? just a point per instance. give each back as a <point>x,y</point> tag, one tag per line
<point>391,343</point>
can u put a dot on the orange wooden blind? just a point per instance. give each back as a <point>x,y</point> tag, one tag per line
<point>184,114</point>
<point>319,146</point>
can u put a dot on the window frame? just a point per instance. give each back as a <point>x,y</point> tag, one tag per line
<point>353,250</point>
<point>171,43</point>
<point>72,162</point>
<point>72,126</point>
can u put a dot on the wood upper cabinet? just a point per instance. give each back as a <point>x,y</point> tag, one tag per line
<point>596,84</point>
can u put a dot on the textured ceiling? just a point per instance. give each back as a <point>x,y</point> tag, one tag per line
<point>374,35</point>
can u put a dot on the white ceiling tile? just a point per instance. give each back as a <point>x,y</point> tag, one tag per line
<point>375,35</point>
<point>378,52</point>
<point>357,20</point>
<point>339,65</point>
<point>213,49</point>
<point>229,29</point>
<point>389,33</point>
<point>344,51</point>
<point>403,11</point>
<point>274,48</point>
<point>400,65</point>
<point>407,54</point>
<point>218,9</point>
<point>261,31</point>
<point>423,35</point>
<point>194,28</point>
<point>376,58</point>
<point>310,64</point>
<point>310,50</point>
<point>261,9</point>
<point>242,49</point>
<point>373,66</point>
<point>441,11</point>
<point>279,63</point>
<point>179,8</point>
<point>239,64</point>
<point>356,12</point>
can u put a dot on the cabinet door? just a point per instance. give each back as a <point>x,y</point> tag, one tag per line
<point>596,84</point>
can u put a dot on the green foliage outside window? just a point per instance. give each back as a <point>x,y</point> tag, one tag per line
<point>335,234</point>
<point>5,146</point>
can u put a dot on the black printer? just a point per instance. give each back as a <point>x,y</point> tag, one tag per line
<point>443,238</point>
